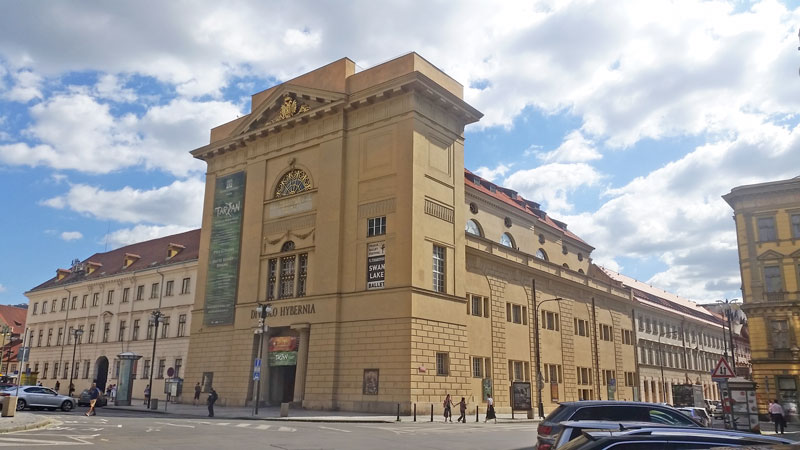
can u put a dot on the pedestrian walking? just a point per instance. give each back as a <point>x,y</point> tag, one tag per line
<point>197,390</point>
<point>448,413</point>
<point>108,391</point>
<point>147,395</point>
<point>212,398</point>
<point>462,407</point>
<point>71,389</point>
<point>94,393</point>
<point>57,386</point>
<point>777,415</point>
<point>490,409</point>
<point>113,392</point>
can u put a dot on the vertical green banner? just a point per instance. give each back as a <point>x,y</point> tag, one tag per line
<point>223,256</point>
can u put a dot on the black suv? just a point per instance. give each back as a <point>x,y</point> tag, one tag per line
<point>672,438</point>
<point>607,410</point>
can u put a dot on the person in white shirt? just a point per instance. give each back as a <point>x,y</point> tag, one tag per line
<point>776,414</point>
<point>490,410</point>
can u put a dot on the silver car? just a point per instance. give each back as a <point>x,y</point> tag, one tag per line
<point>37,397</point>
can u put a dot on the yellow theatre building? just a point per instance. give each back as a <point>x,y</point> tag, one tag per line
<point>394,275</point>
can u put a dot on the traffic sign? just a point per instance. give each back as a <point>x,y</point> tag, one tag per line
<point>170,372</point>
<point>722,370</point>
<point>256,375</point>
<point>258,362</point>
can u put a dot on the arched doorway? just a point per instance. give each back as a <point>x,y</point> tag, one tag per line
<point>101,373</point>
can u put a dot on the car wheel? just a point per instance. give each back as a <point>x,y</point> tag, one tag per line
<point>21,404</point>
<point>66,406</point>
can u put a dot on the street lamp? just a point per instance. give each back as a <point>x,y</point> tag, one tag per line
<point>5,331</point>
<point>155,317</point>
<point>728,311</point>
<point>661,362</point>
<point>76,334</point>
<point>539,382</point>
<point>263,311</point>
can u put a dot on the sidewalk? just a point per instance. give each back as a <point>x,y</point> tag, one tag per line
<point>23,421</point>
<point>295,414</point>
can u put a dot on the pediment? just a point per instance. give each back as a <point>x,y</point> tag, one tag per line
<point>770,254</point>
<point>795,254</point>
<point>287,102</point>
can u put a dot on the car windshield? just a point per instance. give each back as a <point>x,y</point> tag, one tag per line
<point>670,418</point>
<point>559,414</point>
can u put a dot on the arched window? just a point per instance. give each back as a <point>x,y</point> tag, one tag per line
<point>507,240</point>
<point>580,271</point>
<point>287,246</point>
<point>565,266</point>
<point>473,228</point>
<point>541,254</point>
<point>294,182</point>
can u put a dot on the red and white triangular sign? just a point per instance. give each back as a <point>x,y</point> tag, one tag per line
<point>723,370</point>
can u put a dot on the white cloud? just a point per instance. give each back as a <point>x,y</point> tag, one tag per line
<point>140,233</point>
<point>26,87</point>
<point>71,235</point>
<point>178,204</point>
<point>490,174</point>
<point>110,87</point>
<point>550,184</point>
<point>2,288</point>
<point>575,148</point>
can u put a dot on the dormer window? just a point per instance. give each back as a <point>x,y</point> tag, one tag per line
<point>130,258</point>
<point>62,273</point>
<point>476,181</point>
<point>91,266</point>
<point>174,249</point>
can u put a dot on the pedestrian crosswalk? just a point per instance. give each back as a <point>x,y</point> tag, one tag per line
<point>249,425</point>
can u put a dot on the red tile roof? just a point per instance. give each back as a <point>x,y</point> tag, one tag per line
<point>14,317</point>
<point>153,253</point>
<point>515,200</point>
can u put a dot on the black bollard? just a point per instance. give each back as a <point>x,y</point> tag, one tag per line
<point>512,413</point>
<point>431,412</point>
<point>415,412</point>
<point>476,414</point>
<point>398,412</point>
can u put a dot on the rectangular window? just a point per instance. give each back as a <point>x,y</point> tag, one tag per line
<point>59,336</point>
<point>477,367</point>
<point>796,226</point>
<point>165,327</point>
<point>376,226</point>
<point>83,300</point>
<point>584,375</point>
<point>55,370</point>
<point>122,326</point>
<point>74,303</point>
<point>552,373</point>
<point>779,330</point>
<point>302,274</point>
<point>630,378</point>
<point>182,325</point>
<point>146,371</point>
<point>126,294</point>
<point>627,337</point>
<point>178,365</point>
<point>581,327</point>
<point>606,333</point>
<point>766,229</point>
<point>150,327</point>
<point>154,290</point>
<point>135,336</point>
<point>476,305</point>
<point>585,394</point>
<point>39,340</point>
<point>44,371</point>
<point>442,364</point>
<point>106,330</point>
<point>53,306</point>
<point>517,371</point>
<point>116,368</point>
<point>168,288</point>
<point>772,279</point>
<point>95,299</point>
<point>185,286</point>
<point>439,267</point>
<point>272,268</point>
<point>44,307</point>
<point>286,287</point>
<point>608,375</point>
<point>516,313</point>
<point>64,304</point>
<point>70,333</point>
<point>550,320</point>
<point>49,336</point>
<point>86,367</point>
<point>140,292</point>
<point>110,297</point>
<point>35,308</point>
<point>162,363</point>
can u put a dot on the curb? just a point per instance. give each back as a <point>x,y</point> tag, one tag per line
<point>30,426</point>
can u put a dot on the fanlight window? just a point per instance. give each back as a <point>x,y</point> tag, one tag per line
<point>294,182</point>
<point>541,254</point>
<point>473,228</point>
<point>506,240</point>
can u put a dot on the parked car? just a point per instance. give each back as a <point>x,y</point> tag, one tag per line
<point>37,397</point>
<point>84,398</point>
<point>573,429</point>
<point>710,407</point>
<point>670,438</point>
<point>607,410</point>
<point>700,415</point>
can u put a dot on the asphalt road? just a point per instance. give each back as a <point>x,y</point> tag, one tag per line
<point>125,430</point>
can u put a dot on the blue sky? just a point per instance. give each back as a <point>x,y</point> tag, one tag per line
<point>627,120</point>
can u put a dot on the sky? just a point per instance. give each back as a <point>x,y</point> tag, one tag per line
<point>625,119</point>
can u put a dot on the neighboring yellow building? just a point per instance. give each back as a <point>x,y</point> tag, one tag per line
<point>342,201</point>
<point>767,217</point>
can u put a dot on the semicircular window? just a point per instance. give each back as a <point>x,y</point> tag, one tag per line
<point>507,240</point>
<point>287,246</point>
<point>294,182</point>
<point>473,228</point>
<point>541,254</point>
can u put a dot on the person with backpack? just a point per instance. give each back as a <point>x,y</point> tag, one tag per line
<point>212,398</point>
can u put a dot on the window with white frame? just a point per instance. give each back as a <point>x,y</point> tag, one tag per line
<point>442,363</point>
<point>766,229</point>
<point>376,226</point>
<point>606,333</point>
<point>550,321</point>
<point>553,374</point>
<point>439,267</point>
<point>581,327</point>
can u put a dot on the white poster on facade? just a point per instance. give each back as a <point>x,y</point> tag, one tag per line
<point>376,262</point>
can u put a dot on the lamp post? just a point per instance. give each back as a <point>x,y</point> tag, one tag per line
<point>155,317</point>
<point>263,310</point>
<point>5,331</point>
<point>728,311</point>
<point>661,363</point>
<point>76,334</point>
<point>539,381</point>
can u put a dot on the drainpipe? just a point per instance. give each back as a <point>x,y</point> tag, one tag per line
<point>596,359</point>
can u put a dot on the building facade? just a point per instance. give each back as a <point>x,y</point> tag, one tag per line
<point>12,329</point>
<point>110,297</point>
<point>767,220</point>
<point>394,275</point>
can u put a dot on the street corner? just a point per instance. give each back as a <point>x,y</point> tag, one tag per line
<point>24,421</point>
